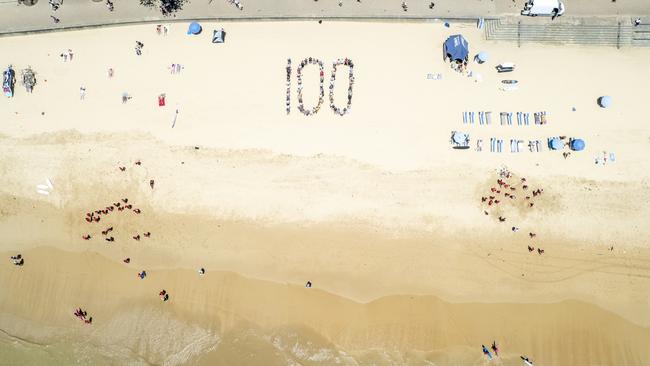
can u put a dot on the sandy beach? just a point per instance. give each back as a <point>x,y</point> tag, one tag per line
<point>374,208</point>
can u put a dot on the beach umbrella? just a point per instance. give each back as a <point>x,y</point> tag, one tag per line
<point>482,57</point>
<point>195,28</point>
<point>605,101</point>
<point>456,48</point>
<point>556,143</point>
<point>577,145</point>
<point>459,137</point>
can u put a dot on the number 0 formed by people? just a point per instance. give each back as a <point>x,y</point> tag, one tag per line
<point>313,61</point>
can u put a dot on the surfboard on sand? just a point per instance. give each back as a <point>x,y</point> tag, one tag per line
<point>43,192</point>
<point>49,183</point>
<point>527,362</point>
<point>42,186</point>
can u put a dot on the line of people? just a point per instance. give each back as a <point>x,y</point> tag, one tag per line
<point>301,106</point>
<point>345,62</point>
<point>288,103</point>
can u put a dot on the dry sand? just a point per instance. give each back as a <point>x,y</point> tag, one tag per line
<point>374,208</point>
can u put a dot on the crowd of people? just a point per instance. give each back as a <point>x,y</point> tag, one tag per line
<point>301,106</point>
<point>505,190</point>
<point>345,62</point>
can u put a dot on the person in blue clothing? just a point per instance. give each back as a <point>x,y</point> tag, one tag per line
<point>486,352</point>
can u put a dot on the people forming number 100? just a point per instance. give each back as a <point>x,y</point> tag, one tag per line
<point>315,61</point>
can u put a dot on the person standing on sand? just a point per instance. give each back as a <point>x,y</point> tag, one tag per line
<point>486,352</point>
<point>82,92</point>
<point>495,349</point>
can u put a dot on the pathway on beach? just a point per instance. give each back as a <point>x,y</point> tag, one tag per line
<point>79,13</point>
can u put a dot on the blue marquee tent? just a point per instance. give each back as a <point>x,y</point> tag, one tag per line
<point>195,28</point>
<point>456,48</point>
<point>577,144</point>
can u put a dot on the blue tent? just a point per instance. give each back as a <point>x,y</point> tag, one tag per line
<point>456,48</point>
<point>195,28</point>
<point>605,101</point>
<point>577,144</point>
<point>555,143</point>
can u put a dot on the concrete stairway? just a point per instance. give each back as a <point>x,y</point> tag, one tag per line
<point>613,33</point>
<point>641,34</point>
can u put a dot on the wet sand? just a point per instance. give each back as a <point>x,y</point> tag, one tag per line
<point>225,318</point>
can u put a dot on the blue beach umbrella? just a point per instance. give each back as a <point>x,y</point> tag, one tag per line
<point>605,101</point>
<point>195,28</point>
<point>459,137</point>
<point>577,145</point>
<point>482,57</point>
<point>556,144</point>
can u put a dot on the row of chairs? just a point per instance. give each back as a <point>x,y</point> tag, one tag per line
<point>496,145</point>
<point>505,118</point>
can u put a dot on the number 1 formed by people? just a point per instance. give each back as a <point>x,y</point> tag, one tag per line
<point>314,61</point>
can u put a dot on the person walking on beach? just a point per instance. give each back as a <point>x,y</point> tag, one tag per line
<point>82,92</point>
<point>495,349</point>
<point>486,352</point>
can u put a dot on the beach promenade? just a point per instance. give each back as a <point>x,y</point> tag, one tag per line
<point>16,18</point>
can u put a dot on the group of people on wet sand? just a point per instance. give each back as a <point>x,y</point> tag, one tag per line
<point>95,216</point>
<point>506,190</point>
<point>82,315</point>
